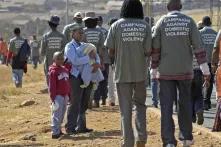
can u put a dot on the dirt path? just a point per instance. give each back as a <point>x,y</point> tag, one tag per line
<point>33,122</point>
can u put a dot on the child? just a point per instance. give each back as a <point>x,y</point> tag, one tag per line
<point>87,74</point>
<point>59,89</point>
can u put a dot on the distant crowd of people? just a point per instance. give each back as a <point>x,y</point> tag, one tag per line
<point>86,63</point>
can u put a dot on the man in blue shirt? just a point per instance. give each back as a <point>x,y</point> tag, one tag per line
<point>79,98</point>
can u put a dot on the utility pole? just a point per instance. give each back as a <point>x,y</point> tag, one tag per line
<point>67,11</point>
<point>211,9</point>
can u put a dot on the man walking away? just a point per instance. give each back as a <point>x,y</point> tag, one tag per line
<point>52,42</point>
<point>175,39</point>
<point>129,41</point>
<point>208,36</point>
<point>35,52</point>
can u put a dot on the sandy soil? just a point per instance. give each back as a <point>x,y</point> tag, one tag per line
<point>16,122</point>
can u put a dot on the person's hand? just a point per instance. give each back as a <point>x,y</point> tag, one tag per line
<point>206,81</point>
<point>154,73</point>
<point>95,66</point>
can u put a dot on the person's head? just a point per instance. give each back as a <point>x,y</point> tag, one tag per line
<point>200,25</point>
<point>17,31</point>
<point>54,22</point>
<point>78,17</point>
<point>58,58</point>
<point>174,5</point>
<point>111,21</point>
<point>100,21</point>
<point>34,37</point>
<point>132,9</point>
<point>90,20</point>
<point>1,39</point>
<point>78,33</point>
<point>206,21</point>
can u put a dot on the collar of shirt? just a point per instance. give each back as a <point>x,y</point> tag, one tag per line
<point>173,12</point>
<point>76,44</point>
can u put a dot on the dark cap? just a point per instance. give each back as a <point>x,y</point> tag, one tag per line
<point>90,15</point>
<point>54,20</point>
<point>206,21</point>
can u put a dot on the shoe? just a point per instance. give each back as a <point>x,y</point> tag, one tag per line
<point>200,118</point>
<point>187,143</point>
<point>170,145</point>
<point>44,91</point>
<point>140,144</point>
<point>96,104</point>
<point>56,136</point>
<point>71,132</point>
<point>155,105</point>
<point>103,102</point>
<point>112,104</point>
<point>86,130</point>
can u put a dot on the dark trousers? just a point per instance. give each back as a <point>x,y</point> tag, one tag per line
<point>207,98</point>
<point>78,105</point>
<point>102,90</point>
<point>168,92</point>
<point>196,92</point>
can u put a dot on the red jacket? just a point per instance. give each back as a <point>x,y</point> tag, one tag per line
<point>58,81</point>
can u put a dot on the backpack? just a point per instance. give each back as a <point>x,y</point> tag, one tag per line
<point>24,51</point>
<point>20,60</point>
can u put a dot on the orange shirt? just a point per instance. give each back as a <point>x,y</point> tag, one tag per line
<point>3,48</point>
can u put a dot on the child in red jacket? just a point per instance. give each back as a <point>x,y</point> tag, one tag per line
<point>59,89</point>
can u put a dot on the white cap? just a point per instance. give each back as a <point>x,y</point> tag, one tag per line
<point>78,15</point>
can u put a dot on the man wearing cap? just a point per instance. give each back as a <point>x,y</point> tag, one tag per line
<point>95,36</point>
<point>175,39</point>
<point>79,97</point>
<point>208,36</point>
<point>52,42</point>
<point>69,28</point>
<point>129,41</point>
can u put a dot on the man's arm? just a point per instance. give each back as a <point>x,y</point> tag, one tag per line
<point>110,42</point>
<point>72,56</point>
<point>43,46</point>
<point>215,53</point>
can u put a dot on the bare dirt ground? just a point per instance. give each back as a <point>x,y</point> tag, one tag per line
<point>33,122</point>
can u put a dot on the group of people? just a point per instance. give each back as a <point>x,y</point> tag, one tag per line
<point>81,62</point>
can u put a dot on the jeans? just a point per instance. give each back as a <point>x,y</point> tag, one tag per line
<point>58,116</point>
<point>102,90</point>
<point>207,99</point>
<point>35,61</point>
<point>154,88</point>
<point>168,92</point>
<point>78,105</point>
<point>196,92</point>
<point>130,94</point>
<point>17,75</point>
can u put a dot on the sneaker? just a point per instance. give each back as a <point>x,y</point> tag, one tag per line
<point>44,91</point>
<point>187,143</point>
<point>155,105</point>
<point>200,118</point>
<point>96,104</point>
<point>140,144</point>
<point>103,102</point>
<point>170,145</point>
<point>56,136</point>
<point>112,104</point>
<point>71,132</point>
<point>86,130</point>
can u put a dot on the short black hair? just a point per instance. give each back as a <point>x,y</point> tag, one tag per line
<point>132,9</point>
<point>112,20</point>
<point>206,21</point>
<point>174,5</point>
<point>91,23</point>
<point>17,31</point>
<point>52,26</point>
